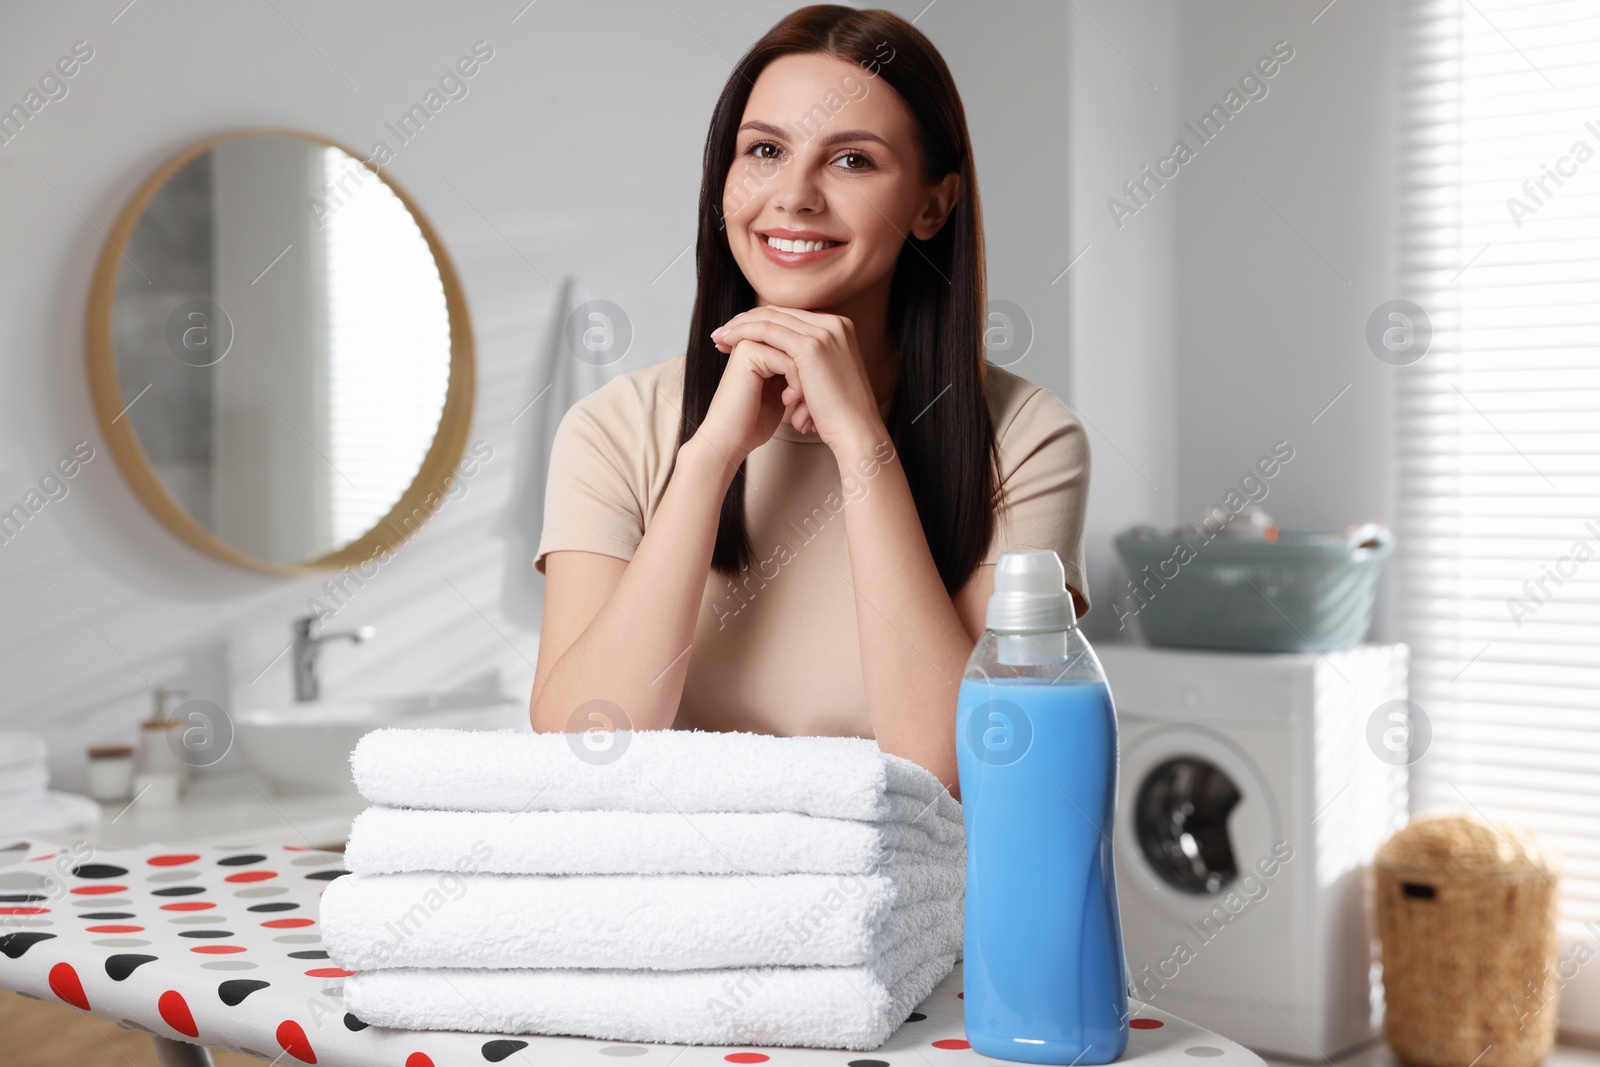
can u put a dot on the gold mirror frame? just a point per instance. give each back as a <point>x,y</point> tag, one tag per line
<point>422,497</point>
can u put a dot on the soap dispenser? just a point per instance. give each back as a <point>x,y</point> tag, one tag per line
<point>161,771</point>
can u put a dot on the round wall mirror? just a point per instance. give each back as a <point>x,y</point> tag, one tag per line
<point>279,353</point>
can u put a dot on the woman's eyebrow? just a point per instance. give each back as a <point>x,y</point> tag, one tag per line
<point>832,138</point>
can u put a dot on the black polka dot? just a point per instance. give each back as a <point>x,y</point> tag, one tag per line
<point>21,898</point>
<point>123,964</point>
<point>98,870</point>
<point>495,1051</point>
<point>106,915</point>
<point>352,1023</point>
<point>280,906</point>
<point>308,954</point>
<point>206,933</point>
<point>869,1063</point>
<point>915,1017</point>
<point>240,860</point>
<point>14,945</point>
<point>328,876</point>
<point>179,891</point>
<point>233,992</point>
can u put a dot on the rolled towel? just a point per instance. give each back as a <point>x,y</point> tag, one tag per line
<point>394,840</point>
<point>48,812</point>
<point>664,921</point>
<point>20,749</point>
<point>856,1007</point>
<point>645,770</point>
<point>26,780</point>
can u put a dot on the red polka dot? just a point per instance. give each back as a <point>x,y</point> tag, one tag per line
<point>188,905</point>
<point>746,1057</point>
<point>173,859</point>
<point>961,996</point>
<point>417,1059</point>
<point>250,876</point>
<point>65,984</point>
<point>23,911</point>
<point>99,890</point>
<point>217,950</point>
<point>1146,1024</point>
<point>115,930</point>
<point>329,972</point>
<point>292,1039</point>
<point>951,1042</point>
<point>175,1010</point>
<point>302,848</point>
<point>288,924</point>
<point>46,856</point>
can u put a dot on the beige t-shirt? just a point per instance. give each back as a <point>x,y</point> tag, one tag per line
<point>777,652</point>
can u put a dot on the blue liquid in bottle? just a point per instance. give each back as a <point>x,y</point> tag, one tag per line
<point>1036,737</point>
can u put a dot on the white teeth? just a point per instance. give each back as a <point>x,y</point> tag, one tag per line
<point>798,246</point>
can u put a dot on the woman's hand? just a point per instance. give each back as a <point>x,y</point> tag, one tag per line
<point>828,390</point>
<point>748,403</point>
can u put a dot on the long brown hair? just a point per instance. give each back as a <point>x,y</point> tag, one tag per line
<point>939,419</point>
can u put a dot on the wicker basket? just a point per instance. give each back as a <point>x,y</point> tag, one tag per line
<point>1466,914</point>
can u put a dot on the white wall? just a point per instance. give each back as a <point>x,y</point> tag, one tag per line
<point>1123,63</point>
<point>1285,246</point>
<point>575,153</point>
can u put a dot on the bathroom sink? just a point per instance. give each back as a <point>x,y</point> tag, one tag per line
<point>305,748</point>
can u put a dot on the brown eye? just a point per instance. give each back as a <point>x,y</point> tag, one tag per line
<point>867,163</point>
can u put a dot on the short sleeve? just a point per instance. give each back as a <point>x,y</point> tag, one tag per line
<point>1044,459</point>
<point>593,489</point>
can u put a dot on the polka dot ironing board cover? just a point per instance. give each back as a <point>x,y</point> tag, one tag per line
<point>219,946</point>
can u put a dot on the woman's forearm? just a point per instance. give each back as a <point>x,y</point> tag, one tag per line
<point>635,653</point>
<point>914,647</point>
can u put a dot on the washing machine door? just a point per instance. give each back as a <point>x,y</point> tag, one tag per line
<point>1194,812</point>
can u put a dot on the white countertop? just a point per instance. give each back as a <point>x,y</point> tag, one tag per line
<point>228,809</point>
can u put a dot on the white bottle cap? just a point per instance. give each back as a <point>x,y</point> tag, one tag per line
<point>1030,594</point>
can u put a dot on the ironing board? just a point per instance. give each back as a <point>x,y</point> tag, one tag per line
<point>218,948</point>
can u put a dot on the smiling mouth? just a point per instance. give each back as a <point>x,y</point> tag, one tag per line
<point>782,245</point>
<point>783,252</point>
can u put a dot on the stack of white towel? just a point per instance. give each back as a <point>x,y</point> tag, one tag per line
<point>698,888</point>
<point>27,804</point>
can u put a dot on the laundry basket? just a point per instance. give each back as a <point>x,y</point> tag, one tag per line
<point>1466,914</point>
<point>1304,592</point>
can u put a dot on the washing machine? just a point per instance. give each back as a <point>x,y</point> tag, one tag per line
<point>1252,792</point>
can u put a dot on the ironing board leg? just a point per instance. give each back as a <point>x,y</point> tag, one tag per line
<point>170,1053</point>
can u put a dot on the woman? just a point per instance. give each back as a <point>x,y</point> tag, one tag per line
<point>792,527</point>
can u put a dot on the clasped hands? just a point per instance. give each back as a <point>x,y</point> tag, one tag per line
<point>814,357</point>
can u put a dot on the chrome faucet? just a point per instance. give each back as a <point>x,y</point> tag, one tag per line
<point>308,642</point>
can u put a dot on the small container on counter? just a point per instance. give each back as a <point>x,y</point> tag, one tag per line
<point>161,789</point>
<point>110,772</point>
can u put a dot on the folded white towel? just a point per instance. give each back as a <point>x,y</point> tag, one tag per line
<point>48,811</point>
<point>817,1007</point>
<point>658,770</point>
<point>662,921</point>
<point>396,840</point>
<point>26,780</point>
<point>20,749</point>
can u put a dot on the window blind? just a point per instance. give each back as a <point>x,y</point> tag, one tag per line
<point>1498,421</point>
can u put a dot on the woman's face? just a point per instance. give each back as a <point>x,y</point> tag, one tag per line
<point>827,152</point>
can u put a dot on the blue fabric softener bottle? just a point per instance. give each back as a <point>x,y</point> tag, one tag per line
<point>1036,744</point>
